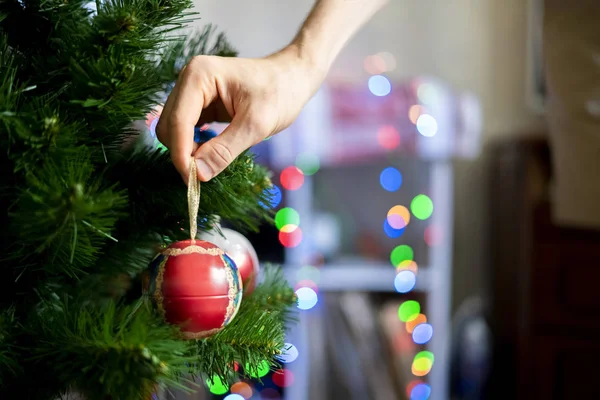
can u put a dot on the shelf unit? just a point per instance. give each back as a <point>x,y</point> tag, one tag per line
<point>433,280</point>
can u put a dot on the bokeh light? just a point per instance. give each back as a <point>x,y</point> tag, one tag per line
<point>422,391</point>
<point>421,206</point>
<point>379,85</point>
<point>405,281</point>
<point>414,112</point>
<point>216,386</point>
<point>289,353</point>
<point>411,325</point>
<point>235,396</point>
<point>409,310</point>
<point>291,178</point>
<point>422,363</point>
<point>290,236</point>
<point>308,163</point>
<point>374,64</point>
<point>307,283</point>
<point>433,235</point>
<point>412,385</point>
<point>273,195</point>
<point>307,298</point>
<point>408,265</point>
<point>427,93</point>
<point>391,232</point>
<point>286,216</point>
<point>427,125</point>
<point>243,389</point>
<point>258,371</point>
<point>401,253</point>
<point>390,179</point>
<point>309,273</point>
<point>388,137</point>
<point>422,333</point>
<point>398,217</point>
<point>283,378</point>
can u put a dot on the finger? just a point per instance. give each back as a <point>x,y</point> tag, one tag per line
<point>161,130</point>
<point>186,109</point>
<point>216,154</point>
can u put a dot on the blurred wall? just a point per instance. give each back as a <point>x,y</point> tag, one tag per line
<point>475,45</point>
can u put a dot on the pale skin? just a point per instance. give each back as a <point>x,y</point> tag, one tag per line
<point>258,96</point>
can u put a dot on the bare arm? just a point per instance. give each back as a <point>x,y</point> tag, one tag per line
<point>329,26</point>
<point>260,97</point>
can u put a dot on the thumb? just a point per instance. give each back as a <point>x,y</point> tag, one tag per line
<point>216,154</point>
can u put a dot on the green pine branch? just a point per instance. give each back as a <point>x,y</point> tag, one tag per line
<point>256,334</point>
<point>83,216</point>
<point>66,215</point>
<point>9,357</point>
<point>111,351</point>
<point>158,196</point>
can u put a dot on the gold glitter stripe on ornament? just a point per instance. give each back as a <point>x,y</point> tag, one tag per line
<point>232,307</point>
<point>201,335</point>
<point>193,249</point>
<point>158,294</point>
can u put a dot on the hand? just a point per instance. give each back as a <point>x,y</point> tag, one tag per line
<point>260,97</point>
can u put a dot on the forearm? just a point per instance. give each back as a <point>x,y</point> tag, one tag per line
<point>329,26</point>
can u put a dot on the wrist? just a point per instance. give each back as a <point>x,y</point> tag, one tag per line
<point>300,63</point>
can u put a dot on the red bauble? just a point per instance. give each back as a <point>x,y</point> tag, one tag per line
<point>240,250</point>
<point>195,285</point>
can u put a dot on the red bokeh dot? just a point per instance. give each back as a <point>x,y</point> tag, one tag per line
<point>388,137</point>
<point>291,238</point>
<point>433,235</point>
<point>283,378</point>
<point>291,178</point>
<point>411,386</point>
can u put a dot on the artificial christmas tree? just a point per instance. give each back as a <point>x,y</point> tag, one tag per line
<point>85,211</point>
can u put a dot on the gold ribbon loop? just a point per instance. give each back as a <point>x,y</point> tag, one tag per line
<point>193,196</point>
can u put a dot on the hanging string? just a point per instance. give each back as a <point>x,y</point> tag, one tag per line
<point>193,195</point>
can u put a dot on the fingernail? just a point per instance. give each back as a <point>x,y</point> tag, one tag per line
<point>204,170</point>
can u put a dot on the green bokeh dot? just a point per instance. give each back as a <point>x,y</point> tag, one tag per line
<point>286,216</point>
<point>409,310</point>
<point>421,206</point>
<point>258,371</point>
<point>217,386</point>
<point>425,354</point>
<point>401,253</point>
<point>308,163</point>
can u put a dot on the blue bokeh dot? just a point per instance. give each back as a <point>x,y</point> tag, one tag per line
<point>422,333</point>
<point>390,179</point>
<point>274,195</point>
<point>420,392</point>
<point>390,231</point>
<point>405,281</point>
<point>379,85</point>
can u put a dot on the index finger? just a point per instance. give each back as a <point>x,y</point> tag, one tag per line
<point>183,109</point>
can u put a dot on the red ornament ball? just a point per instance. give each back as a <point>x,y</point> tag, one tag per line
<point>239,248</point>
<point>195,285</point>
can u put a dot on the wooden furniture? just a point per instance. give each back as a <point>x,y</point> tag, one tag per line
<point>545,284</point>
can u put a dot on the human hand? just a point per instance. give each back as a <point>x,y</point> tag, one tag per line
<point>260,97</point>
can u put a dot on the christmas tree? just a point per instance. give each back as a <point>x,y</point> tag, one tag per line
<point>88,206</point>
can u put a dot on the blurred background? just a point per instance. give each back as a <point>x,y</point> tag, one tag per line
<point>412,211</point>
